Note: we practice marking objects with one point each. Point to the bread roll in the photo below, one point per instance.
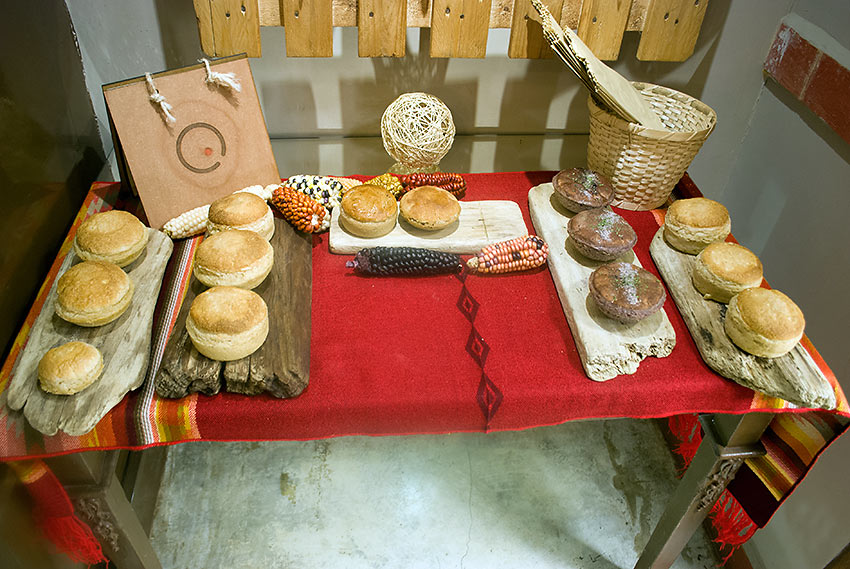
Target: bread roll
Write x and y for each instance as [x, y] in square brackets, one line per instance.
[429, 207]
[601, 234]
[228, 323]
[69, 368]
[764, 322]
[723, 269]
[578, 189]
[242, 210]
[625, 292]
[691, 224]
[368, 211]
[113, 236]
[233, 258]
[93, 293]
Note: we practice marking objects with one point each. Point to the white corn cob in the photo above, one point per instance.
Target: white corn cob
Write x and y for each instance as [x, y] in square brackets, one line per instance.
[258, 190]
[324, 189]
[192, 222]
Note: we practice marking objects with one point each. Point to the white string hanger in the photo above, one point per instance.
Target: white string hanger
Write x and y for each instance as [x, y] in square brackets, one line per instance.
[226, 80]
[158, 98]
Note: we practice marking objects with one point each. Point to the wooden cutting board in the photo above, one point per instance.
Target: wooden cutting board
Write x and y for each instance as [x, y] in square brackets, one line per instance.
[480, 224]
[124, 343]
[607, 348]
[794, 377]
[281, 366]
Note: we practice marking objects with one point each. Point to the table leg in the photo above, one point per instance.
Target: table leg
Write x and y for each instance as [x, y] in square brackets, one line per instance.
[727, 441]
[99, 500]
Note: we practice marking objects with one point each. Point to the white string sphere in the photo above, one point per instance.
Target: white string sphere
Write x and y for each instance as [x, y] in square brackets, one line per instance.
[417, 130]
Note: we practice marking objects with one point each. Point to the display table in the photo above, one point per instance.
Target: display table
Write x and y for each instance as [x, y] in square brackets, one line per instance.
[451, 353]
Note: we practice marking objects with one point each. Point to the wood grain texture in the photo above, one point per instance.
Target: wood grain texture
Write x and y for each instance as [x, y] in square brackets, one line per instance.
[793, 377]
[309, 28]
[236, 27]
[637, 15]
[124, 343]
[602, 25]
[381, 28]
[480, 224]
[527, 41]
[607, 348]
[282, 364]
[571, 14]
[459, 28]
[205, 26]
[670, 29]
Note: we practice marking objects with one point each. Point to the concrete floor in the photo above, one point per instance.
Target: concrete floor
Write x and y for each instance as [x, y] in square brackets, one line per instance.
[573, 496]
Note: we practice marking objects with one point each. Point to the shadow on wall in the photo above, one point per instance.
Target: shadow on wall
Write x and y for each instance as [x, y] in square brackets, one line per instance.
[178, 28]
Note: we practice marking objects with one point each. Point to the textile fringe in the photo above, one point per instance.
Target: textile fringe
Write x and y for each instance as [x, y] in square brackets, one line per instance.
[729, 520]
[54, 514]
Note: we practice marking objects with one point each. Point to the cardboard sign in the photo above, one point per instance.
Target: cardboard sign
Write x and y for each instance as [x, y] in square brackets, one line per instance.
[217, 142]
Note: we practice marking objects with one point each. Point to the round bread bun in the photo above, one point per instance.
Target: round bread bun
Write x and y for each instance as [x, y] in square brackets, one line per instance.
[368, 211]
[600, 234]
[233, 258]
[578, 189]
[691, 224]
[69, 368]
[723, 269]
[764, 322]
[429, 208]
[625, 292]
[113, 236]
[242, 210]
[93, 293]
[227, 323]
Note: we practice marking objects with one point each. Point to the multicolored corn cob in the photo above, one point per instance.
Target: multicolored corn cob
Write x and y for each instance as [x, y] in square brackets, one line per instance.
[303, 212]
[324, 189]
[388, 182]
[517, 254]
[386, 261]
[452, 183]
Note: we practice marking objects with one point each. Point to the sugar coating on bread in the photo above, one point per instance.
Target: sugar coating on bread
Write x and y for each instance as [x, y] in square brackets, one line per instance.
[429, 207]
[93, 293]
[69, 368]
[242, 210]
[115, 236]
[723, 269]
[233, 258]
[227, 323]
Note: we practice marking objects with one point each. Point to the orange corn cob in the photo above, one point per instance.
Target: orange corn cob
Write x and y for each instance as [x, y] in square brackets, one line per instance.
[452, 183]
[517, 254]
[302, 211]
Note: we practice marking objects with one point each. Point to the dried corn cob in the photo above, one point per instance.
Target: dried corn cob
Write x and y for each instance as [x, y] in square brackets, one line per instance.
[258, 190]
[388, 182]
[192, 222]
[348, 183]
[404, 261]
[452, 183]
[303, 212]
[324, 189]
[516, 254]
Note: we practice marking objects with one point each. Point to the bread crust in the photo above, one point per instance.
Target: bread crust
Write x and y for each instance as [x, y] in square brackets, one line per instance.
[724, 269]
[764, 322]
[233, 258]
[691, 224]
[429, 207]
[578, 189]
[114, 236]
[93, 293]
[227, 323]
[242, 210]
[601, 234]
[368, 211]
[625, 292]
[69, 368]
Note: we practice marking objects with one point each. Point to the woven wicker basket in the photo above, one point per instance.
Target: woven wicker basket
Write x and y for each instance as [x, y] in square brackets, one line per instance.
[645, 164]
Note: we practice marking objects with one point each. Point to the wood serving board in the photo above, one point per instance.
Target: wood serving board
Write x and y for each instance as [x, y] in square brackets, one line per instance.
[124, 343]
[607, 347]
[480, 224]
[793, 377]
[281, 366]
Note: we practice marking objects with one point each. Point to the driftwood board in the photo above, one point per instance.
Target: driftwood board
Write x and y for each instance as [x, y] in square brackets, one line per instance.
[281, 366]
[794, 377]
[480, 224]
[607, 348]
[124, 343]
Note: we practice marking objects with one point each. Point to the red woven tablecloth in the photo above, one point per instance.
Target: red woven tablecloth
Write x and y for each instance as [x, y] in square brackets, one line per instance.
[421, 355]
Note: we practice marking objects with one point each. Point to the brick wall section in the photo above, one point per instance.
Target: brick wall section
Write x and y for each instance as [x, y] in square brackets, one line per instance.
[813, 77]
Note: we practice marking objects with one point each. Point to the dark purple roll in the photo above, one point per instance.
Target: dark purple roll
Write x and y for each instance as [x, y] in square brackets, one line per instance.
[600, 234]
[626, 292]
[578, 189]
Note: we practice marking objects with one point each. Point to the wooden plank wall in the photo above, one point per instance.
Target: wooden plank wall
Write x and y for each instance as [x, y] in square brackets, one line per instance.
[669, 28]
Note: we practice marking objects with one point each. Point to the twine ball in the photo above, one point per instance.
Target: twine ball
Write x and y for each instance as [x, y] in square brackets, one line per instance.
[417, 130]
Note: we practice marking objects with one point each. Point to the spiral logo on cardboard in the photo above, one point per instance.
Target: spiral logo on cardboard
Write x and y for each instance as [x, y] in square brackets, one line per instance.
[207, 149]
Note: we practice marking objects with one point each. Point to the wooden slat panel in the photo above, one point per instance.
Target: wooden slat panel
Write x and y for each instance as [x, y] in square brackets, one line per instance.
[205, 26]
[236, 27]
[602, 25]
[570, 14]
[309, 28]
[459, 28]
[270, 12]
[381, 28]
[527, 39]
[671, 29]
[637, 15]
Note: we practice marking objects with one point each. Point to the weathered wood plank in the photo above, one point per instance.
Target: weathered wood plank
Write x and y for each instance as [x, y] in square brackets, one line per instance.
[671, 29]
[459, 28]
[602, 25]
[381, 28]
[607, 348]
[203, 14]
[124, 343]
[527, 41]
[309, 28]
[236, 27]
[794, 377]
